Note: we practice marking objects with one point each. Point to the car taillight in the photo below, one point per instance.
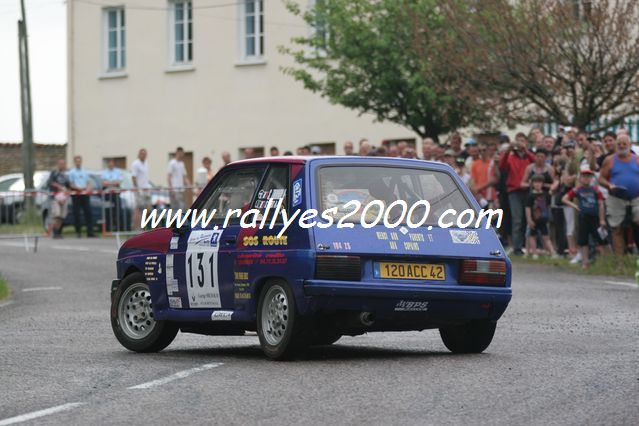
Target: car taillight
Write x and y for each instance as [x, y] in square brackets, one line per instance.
[483, 272]
[338, 268]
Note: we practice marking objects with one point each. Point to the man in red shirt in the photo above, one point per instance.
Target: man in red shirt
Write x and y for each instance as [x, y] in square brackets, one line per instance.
[514, 162]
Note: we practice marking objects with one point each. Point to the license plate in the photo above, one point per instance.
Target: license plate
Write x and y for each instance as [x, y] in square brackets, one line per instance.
[410, 271]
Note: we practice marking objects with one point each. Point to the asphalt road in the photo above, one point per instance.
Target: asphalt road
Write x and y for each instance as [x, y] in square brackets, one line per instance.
[565, 352]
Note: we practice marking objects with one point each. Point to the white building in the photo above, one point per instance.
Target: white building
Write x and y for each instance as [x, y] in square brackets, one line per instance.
[202, 74]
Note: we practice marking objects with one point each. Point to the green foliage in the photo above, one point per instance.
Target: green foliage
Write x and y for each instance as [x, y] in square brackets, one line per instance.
[4, 289]
[385, 57]
[605, 266]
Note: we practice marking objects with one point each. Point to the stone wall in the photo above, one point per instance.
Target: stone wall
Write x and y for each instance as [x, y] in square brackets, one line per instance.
[46, 156]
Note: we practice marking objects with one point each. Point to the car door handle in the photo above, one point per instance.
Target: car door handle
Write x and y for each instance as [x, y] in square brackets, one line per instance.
[230, 241]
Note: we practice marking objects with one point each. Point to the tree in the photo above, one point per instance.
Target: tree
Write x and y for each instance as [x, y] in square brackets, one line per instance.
[371, 57]
[572, 62]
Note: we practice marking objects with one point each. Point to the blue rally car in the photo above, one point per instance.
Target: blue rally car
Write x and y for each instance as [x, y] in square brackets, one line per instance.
[311, 285]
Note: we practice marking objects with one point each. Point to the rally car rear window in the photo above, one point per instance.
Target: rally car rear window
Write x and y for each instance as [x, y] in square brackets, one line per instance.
[340, 184]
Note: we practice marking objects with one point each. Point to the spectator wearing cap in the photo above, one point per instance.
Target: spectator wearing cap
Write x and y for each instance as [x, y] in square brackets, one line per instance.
[514, 162]
[591, 214]
[620, 174]
[316, 150]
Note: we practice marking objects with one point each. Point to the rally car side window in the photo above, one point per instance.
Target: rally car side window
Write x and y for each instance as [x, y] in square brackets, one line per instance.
[234, 191]
[274, 187]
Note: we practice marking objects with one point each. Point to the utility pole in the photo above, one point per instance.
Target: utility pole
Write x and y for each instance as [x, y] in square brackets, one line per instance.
[28, 157]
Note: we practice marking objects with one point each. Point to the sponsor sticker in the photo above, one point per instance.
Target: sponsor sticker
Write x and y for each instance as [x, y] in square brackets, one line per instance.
[175, 302]
[411, 306]
[174, 243]
[464, 237]
[152, 268]
[221, 316]
[297, 192]
[201, 267]
[171, 281]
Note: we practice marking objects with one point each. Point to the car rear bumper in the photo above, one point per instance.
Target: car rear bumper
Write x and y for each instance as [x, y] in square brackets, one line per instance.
[428, 301]
[411, 291]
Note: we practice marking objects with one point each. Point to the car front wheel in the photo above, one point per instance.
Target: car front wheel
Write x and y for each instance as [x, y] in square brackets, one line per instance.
[278, 325]
[132, 318]
[470, 338]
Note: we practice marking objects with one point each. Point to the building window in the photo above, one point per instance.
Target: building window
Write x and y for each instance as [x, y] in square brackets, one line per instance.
[181, 30]
[114, 49]
[319, 27]
[252, 34]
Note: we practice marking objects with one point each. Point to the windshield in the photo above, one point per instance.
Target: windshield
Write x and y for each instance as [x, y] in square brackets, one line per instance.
[341, 184]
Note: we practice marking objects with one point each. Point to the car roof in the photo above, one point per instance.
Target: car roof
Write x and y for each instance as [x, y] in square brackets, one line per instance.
[336, 159]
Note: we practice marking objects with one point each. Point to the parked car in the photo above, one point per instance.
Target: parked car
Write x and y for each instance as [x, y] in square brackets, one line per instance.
[12, 195]
[310, 286]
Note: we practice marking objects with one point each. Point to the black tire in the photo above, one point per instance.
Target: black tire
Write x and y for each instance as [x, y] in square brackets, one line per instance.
[471, 338]
[276, 342]
[162, 332]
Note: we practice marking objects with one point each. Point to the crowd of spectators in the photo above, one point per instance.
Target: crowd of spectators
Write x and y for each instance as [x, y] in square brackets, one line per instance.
[573, 194]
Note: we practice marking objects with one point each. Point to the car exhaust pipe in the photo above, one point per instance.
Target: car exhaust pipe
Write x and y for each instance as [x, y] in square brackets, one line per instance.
[367, 319]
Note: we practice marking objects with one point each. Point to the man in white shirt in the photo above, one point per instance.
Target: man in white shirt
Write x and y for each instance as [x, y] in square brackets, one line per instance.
[177, 180]
[140, 176]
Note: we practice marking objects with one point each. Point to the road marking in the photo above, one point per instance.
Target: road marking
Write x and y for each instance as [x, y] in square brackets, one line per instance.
[71, 248]
[41, 288]
[176, 376]
[625, 284]
[108, 251]
[34, 415]
[7, 303]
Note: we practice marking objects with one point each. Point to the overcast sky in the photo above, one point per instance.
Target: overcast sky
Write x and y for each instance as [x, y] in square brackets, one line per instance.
[46, 20]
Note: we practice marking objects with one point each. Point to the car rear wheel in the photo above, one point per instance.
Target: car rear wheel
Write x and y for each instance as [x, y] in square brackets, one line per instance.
[470, 338]
[132, 318]
[278, 325]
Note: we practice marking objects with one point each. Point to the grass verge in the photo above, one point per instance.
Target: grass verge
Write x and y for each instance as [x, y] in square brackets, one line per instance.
[4, 289]
[607, 266]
